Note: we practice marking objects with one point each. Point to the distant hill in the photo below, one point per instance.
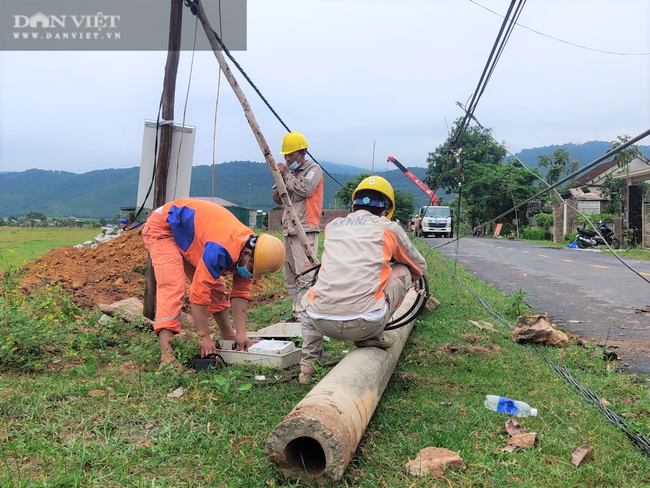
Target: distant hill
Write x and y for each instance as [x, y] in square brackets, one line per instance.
[101, 193]
[585, 153]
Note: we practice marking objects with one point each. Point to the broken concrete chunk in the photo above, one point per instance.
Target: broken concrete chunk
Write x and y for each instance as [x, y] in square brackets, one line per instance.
[537, 329]
[432, 304]
[483, 325]
[435, 460]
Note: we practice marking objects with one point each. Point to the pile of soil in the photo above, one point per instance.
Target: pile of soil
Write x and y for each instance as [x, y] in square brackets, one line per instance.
[114, 271]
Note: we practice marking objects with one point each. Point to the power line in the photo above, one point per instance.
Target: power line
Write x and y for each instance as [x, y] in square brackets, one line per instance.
[640, 440]
[604, 157]
[571, 207]
[192, 6]
[493, 59]
[563, 41]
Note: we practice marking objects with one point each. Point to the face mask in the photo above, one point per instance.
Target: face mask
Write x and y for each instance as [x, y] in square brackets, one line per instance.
[294, 166]
[244, 273]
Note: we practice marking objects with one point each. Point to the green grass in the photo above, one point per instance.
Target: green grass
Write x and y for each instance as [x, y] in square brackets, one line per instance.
[54, 434]
[19, 246]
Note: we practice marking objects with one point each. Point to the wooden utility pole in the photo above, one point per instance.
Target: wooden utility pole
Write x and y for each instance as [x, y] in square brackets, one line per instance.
[166, 131]
[250, 117]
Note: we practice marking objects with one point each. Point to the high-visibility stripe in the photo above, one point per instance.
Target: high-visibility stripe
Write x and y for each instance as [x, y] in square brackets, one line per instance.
[309, 332]
[314, 205]
[165, 319]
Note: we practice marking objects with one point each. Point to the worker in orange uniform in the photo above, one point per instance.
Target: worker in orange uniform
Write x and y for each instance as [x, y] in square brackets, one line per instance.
[367, 268]
[203, 241]
[304, 182]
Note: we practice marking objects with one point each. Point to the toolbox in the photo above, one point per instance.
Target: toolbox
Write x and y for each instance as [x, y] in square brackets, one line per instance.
[267, 352]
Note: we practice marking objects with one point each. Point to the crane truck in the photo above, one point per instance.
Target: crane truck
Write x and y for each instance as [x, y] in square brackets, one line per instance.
[436, 220]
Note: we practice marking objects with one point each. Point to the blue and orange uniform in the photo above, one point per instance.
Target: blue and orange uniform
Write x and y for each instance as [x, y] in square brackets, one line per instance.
[201, 241]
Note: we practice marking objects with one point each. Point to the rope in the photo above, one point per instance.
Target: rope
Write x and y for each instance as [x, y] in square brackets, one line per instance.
[191, 5]
[216, 108]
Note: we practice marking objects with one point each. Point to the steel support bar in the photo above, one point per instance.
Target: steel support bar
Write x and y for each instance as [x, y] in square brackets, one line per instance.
[320, 435]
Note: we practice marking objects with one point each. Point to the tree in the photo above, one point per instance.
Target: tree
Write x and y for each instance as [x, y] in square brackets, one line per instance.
[404, 206]
[344, 193]
[32, 215]
[404, 202]
[558, 166]
[627, 155]
[490, 186]
[2, 222]
[613, 188]
[479, 150]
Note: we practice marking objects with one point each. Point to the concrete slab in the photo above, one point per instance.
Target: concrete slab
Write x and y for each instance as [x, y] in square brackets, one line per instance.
[281, 330]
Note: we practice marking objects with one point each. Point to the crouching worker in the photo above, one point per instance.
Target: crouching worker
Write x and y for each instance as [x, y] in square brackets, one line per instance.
[203, 241]
[367, 267]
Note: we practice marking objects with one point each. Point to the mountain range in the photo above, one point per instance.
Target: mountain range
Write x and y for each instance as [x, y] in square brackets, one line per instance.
[101, 193]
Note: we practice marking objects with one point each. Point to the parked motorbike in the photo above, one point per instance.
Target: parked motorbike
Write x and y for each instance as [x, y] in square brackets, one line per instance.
[477, 231]
[589, 238]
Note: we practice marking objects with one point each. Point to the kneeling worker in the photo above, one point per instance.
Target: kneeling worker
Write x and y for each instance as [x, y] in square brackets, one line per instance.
[358, 289]
[203, 241]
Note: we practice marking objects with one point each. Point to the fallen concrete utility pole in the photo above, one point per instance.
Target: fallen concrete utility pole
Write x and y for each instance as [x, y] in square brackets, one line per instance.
[250, 117]
[319, 437]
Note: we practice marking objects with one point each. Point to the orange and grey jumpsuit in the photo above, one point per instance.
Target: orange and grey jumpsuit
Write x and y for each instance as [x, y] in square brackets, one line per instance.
[201, 241]
[357, 289]
[305, 190]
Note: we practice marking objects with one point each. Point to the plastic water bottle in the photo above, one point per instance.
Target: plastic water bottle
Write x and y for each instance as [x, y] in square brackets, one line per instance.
[506, 405]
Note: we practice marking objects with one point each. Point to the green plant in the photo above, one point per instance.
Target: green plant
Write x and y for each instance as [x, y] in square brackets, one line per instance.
[140, 269]
[517, 303]
[570, 237]
[544, 219]
[87, 370]
[226, 383]
[186, 349]
[31, 330]
[536, 234]
[594, 218]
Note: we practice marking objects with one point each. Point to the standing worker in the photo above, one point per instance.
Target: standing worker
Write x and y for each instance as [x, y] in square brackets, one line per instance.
[204, 241]
[417, 226]
[304, 182]
[358, 288]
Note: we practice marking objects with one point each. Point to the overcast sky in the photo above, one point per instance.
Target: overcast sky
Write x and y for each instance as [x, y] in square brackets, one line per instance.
[347, 74]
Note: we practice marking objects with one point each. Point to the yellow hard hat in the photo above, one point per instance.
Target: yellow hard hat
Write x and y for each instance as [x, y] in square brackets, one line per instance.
[416, 216]
[268, 256]
[377, 183]
[292, 142]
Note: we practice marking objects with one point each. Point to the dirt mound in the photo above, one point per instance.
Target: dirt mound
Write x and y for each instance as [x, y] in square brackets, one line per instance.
[114, 271]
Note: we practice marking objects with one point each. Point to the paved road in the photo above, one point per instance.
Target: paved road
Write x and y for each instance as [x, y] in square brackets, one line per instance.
[586, 292]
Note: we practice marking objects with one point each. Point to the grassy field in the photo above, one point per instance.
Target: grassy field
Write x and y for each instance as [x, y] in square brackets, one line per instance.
[83, 405]
[18, 246]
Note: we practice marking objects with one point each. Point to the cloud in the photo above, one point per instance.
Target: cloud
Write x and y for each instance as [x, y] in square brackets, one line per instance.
[347, 75]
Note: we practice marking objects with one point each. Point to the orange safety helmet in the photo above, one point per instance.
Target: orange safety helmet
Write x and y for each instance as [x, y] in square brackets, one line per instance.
[268, 255]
